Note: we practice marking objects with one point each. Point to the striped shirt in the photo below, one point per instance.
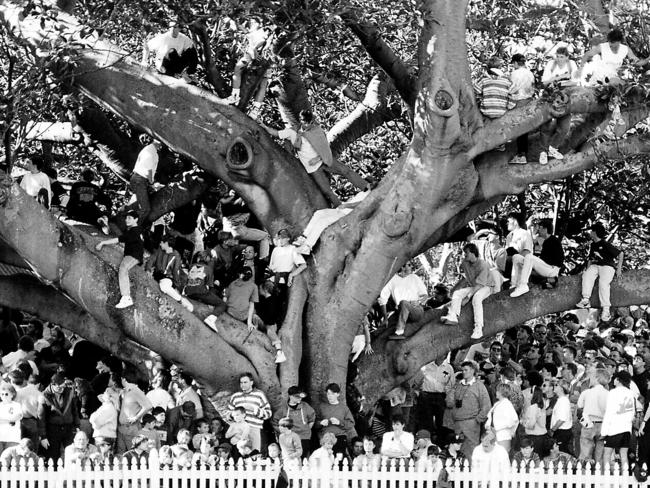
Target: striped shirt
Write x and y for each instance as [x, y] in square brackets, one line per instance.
[256, 405]
[495, 97]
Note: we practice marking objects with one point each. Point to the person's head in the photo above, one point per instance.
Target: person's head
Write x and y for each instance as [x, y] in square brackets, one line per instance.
[333, 392]
[615, 38]
[570, 353]
[306, 117]
[569, 371]
[597, 232]
[226, 239]
[553, 446]
[638, 363]
[202, 426]
[26, 343]
[488, 441]
[433, 452]
[35, 329]
[547, 388]
[148, 421]
[183, 436]
[455, 441]
[327, 440]
[504, 390]
[368, 444]
[184, 380]
[140, 443]
[188, 410]
[295, 395]
[246, 273]
[174, 28]
[216, 425]
[357, 446]
[283, 237]
[286, 425]
[495, 352]
[17, 377]
[80, 440]
[239, 414]
[526, 446]
[7, 392]
[244, 446]
[519, 60]
[405, 270]
[159, 414]
[57, 383]
[274, 450]
[494, 63]
[131, 218]
[533, 353]
[34, 163]
[468, 369]
[622, 378]
[422, 438]
[524, 334]
[540, 331]
[246, 382]
[561, 388]
[224, 451]
[601, 377]
[398, 423]
[248, 253]
[440, 292]
[548, 371]
[514, 221]
[471, 252]
[562, 55]
[167, 243]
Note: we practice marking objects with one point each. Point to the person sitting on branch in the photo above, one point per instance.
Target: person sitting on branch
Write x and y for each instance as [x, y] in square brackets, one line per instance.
[174, 52]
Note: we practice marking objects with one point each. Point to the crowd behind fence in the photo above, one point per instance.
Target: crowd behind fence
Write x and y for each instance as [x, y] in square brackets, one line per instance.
[267, 474]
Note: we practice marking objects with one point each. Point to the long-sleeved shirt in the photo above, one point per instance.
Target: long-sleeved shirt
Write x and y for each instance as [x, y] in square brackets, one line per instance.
[503, 418]
[520, 239]
[474, 401]
[303, 415]
[340, 412]
[256, 405]
[10, 414]
[409, 288]
[165, 265]
[495, 95]
[477, 273]
[290, 445]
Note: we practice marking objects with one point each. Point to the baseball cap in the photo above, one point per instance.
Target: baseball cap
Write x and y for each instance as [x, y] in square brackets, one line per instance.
[422, 434]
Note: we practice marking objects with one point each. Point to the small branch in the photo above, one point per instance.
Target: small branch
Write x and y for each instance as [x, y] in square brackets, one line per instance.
[384, 56]
[336, 85]
[212, 74]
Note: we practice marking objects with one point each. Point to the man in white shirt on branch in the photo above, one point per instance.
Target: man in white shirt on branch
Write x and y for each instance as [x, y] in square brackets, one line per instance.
[409, 294]
[477, 275]
[174, 52]
[143, 175]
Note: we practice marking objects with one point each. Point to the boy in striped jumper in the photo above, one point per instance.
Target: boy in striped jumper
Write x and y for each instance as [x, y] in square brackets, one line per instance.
[494, 90]
[257, 407]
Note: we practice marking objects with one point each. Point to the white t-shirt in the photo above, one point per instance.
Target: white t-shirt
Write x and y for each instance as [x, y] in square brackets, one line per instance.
[147, 162]
[520, 239]
[397, 448]
[409, 288]
[306, 152]
[32, 183]
[552, 69]
[492, 467]
[523, 84]
[10, 413]
[562, 412]
[593, 402]
[160, 398]
[161, 44]
[284, 259]
[619, 413]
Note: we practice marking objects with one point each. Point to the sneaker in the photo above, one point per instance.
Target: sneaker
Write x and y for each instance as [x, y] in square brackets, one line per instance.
[255, 111]
[124, 302]
[304, 249]
[478, 332]
[187, 304]
[398, 335]
[543, 158]
[280, 357]
[518, 160]
[520, 290]
[584, 303]
[211, 321]
[233, 99]
[103, 224]
[554, 153]
[501, 148]
[606, 316]
[449, 320]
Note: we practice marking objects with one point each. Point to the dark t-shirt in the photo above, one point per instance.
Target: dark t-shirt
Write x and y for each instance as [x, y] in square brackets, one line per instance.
[133, 243]
[552, 252]
[603, 253]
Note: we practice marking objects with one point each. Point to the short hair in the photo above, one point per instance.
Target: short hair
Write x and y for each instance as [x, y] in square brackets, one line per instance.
[369, 438]
[333, 387]
[328, 437]
[240, 409]
[508, 373]
[137, 440]
[571, 348]
[494, 62]
[519, 58]
[133, 214]
[615, 35]
[562, 50]
[471, 364]
[247, 375]
[398, 419]
[598, 228]
[471, 247]
[527, 328]
[26, 343]
[534, 378]
[623, 377]
[10, 388]
[182, 432]
[37, 160]
[565, 385]
[551, 368]
[601, 376]
[158, 411]
[286, 422]
[26, 443]
[185, 377]
[88, 175]
[147, 418]
[547, 224]
[223, 236]
[306, 115]
[505, 389]
[517, 217]
[440, 288]
[526, 442]
[572, 367]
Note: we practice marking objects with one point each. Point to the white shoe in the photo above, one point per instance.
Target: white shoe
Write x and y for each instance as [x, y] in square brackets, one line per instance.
[543, 158]
[124, 302]
[520, 290]
[280, 357]
[211, 321]
[606, 316]
[187, 304]
[584, 303]
[449, 319]
[554, 153]
[233, 99]
[477, 333]
[304, 249]
[518, 160]
[103, 224]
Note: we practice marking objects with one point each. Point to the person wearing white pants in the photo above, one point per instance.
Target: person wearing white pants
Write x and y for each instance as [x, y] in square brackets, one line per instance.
[477, 274]
[601, 266]
[522, 242]
[523, 265]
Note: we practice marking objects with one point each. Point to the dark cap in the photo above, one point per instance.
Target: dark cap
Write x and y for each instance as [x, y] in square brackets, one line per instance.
[296, 391]
[422, 434]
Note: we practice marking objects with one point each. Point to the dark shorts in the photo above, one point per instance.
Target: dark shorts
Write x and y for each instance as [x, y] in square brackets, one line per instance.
[617, 441]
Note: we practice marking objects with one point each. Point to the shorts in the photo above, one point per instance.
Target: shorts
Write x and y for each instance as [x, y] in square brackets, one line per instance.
[617, 441]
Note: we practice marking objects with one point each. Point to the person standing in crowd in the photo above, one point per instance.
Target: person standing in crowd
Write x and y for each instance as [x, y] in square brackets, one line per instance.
[179, 418]
[618, 418]
[409, 294]
[188, 393]
[502, 417]
[134, 404]
[490, 462]
[438, 381]
[60, 415]
[257, 407]
[302, 415]
[604, 263]
[591, 406]
[36, 183]
[11, 413]
[477, 276]
[31, 401]
[562, 417]
[470, 404]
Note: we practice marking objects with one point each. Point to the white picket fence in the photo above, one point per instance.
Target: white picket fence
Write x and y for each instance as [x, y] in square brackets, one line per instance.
[265, 475]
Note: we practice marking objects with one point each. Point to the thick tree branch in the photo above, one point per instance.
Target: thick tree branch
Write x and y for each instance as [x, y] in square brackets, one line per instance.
[369, 114]
[383, 55]
[212, 74]
[399, 361]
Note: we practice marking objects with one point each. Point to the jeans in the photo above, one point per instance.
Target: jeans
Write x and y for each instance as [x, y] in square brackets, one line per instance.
[477, 302]
[605, 275]
[127, 263]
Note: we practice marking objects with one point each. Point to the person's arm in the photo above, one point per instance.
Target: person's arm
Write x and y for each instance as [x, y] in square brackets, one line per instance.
[588, 56]
[145, 405]
[145, 53]
[251, 312]
[270, 130]
[107, 242]
[484, 403]
[619, 265]
[366, 333]
[383, 299]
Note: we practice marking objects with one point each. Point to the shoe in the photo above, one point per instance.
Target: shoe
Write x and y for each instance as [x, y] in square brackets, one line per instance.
[299, 241]
[501, 148]
[543, 158]
[550, 283]
[211, 321]
[304, 249]
[233, 99]
[187, 304]
[477, 333]
[518, 160]
[449, 320]
[606, 316]
[124, 302]
[584, 303]
[520, 290]
[103, 224]
[280, 357]
[554, 153]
